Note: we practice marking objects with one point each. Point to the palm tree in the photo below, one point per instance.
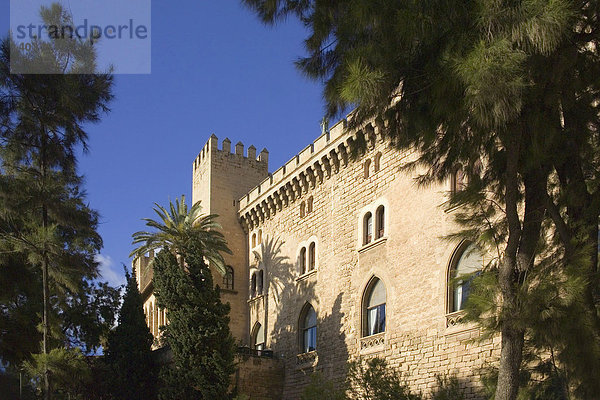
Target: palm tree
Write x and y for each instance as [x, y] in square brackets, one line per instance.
[180, 229]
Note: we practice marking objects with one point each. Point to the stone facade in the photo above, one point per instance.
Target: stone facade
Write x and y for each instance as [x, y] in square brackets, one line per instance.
[320, 200]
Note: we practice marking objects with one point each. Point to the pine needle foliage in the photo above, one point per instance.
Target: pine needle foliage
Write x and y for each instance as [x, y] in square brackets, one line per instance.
[45, 216]
[508, 91]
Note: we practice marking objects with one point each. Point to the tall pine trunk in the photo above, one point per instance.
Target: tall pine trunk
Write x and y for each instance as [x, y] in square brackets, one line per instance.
[519, 256]
[46, 289]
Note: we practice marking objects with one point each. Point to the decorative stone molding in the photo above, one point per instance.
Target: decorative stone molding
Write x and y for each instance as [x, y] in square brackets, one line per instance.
[307, 360]
[299, 175]
[372, 342]
[454, 319]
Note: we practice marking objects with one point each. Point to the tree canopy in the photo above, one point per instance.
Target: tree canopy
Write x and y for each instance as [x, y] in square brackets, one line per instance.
[507, 91]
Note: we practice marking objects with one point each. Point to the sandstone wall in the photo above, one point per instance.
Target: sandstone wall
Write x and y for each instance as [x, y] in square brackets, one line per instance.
[220, 178]
[259, 378]
[411, 259]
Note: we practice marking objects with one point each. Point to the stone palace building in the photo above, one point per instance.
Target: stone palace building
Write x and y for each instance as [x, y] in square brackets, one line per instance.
[335, 259]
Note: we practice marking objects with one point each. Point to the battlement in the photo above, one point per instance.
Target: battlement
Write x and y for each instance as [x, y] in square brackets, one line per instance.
[212, 147]
[299, 162]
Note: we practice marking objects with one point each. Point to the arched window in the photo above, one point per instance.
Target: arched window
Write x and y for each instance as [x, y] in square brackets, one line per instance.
[302, 260]
[259, 282]
[374, 307]
[228, 278]
[368, 228]
[308, 329]
[302, 209]
[253, 240]
[380, 222]
[253, 285]
[466, 264]
[309, 205]
[258, 337]
[259, 236]
[311, 256]
[377, 163]
[367, 167]
[457, 180]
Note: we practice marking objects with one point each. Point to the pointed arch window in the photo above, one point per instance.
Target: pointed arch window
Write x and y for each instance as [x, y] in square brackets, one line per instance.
[311, 256]
[308, 329]
[259, 238]
[259, 282]
[254, 240]
[253, 285]
[380, 222]
[302, 260]
[228, 278]
[258, 337]
[367, 168]
[457, 180]
[466, 264]
[309, 205]
[368, 228]
[374, 308]
[377, 162]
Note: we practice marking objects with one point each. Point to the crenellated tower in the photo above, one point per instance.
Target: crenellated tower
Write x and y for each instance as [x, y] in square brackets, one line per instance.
[220, 178]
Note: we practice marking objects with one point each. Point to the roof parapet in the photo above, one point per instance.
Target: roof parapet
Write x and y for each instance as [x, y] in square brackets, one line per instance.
[212, 146]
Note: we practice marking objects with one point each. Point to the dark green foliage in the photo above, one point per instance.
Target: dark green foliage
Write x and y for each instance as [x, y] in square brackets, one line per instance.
[370, 379]
[374, 380]
[320, 388]
[508, 90]
[198, 329]
[179, 226]
[448, 388]
[132, 372]
[47, 229]
[548, 385]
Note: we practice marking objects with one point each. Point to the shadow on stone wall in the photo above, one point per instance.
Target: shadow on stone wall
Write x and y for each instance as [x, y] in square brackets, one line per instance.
[289, 294]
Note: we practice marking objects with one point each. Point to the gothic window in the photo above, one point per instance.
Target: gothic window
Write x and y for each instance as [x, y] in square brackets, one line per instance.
[380, 222]
[457, 180]
[368, 228]
[374, 308]
[253, 285]
[258, 337]
[377, 162]
[311, 256]
[253, 240]
[308, 329]
[309, 205]
[259, 236]
[466, 263]
[302, 209]
[302, 260]
[367, 167]
[259, 282]
[228, 278]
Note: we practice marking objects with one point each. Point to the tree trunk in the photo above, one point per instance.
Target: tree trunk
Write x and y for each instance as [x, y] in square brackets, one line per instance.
[46, 290]
[510, 363]
[45, 326]
[512, 342]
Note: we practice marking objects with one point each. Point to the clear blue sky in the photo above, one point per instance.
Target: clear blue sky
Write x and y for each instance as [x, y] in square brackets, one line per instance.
[215, 69]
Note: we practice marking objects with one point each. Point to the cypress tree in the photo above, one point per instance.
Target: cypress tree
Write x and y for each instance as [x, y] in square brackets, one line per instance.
[131, 367]
[197, 331]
